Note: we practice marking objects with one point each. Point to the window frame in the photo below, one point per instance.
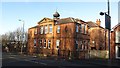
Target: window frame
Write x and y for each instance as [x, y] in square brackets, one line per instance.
[35, 31]
[46, 29]
[58, 29]
[41, 29]
[117, 36]
[57, 44]
[80, 28]
[77, 30]
[76, 45]
[40, 42]
[49, 44]
[35, 42]
[85, 29]
[45, 43]
[50, 28]
[81, 45]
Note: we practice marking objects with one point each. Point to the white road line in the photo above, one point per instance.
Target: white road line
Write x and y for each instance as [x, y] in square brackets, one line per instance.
[11, 57]
[43, 63]
[36, 62]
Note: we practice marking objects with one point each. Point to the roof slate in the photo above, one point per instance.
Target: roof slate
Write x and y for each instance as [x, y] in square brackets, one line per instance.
[116, 26]
[66, 20]
[92, 24]
[33, 27]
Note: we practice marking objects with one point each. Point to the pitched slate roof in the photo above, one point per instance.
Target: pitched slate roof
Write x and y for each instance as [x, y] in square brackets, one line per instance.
[66, 20]
[91, 24]
[70, 20]
[116, 26]
[63, 20]
[33, 27]
[79, 20]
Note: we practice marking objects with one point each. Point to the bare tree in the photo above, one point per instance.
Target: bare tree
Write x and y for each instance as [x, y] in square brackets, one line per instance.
[13, 39]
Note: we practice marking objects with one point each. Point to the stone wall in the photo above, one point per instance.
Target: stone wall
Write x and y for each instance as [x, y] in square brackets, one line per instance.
[98, 54]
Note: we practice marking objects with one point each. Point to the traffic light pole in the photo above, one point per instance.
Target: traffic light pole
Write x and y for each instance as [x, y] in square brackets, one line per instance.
[109, 29]
[22, 37]
[107, 26]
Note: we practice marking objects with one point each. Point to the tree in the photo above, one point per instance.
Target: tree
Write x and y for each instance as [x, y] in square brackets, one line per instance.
[13, 39]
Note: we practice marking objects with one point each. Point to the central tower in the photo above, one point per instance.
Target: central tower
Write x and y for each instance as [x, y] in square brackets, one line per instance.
[56, 16]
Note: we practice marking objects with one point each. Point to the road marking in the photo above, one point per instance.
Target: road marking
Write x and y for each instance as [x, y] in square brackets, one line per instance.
[43, 63]
[36, 62]
[11, 57]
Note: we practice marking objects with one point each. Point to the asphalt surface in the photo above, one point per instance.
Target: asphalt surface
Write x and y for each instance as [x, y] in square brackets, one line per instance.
[10, 59]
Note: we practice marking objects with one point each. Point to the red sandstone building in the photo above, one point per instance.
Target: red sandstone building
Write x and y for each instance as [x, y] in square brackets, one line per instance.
[115, 42]
[66, 37]
[97, 36]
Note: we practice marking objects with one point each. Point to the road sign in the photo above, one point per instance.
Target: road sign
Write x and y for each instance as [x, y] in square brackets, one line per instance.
[107, 21]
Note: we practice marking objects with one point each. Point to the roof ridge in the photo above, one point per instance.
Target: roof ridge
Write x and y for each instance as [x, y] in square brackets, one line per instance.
[43, 19]
[116, 26]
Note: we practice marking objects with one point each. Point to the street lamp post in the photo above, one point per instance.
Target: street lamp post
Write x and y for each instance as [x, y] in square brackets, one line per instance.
[22, 35]
[107, 26]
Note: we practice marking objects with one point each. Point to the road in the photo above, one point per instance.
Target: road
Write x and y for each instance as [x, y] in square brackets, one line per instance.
[9, 59]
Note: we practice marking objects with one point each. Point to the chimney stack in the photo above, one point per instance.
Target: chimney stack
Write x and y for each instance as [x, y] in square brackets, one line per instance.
[98, 22]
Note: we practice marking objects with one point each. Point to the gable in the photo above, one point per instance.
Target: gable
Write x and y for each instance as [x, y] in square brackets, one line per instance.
[45, 20]
[116, 26]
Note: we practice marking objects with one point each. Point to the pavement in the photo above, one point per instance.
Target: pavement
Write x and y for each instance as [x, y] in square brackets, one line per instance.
[11, 59]
[89, 62]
